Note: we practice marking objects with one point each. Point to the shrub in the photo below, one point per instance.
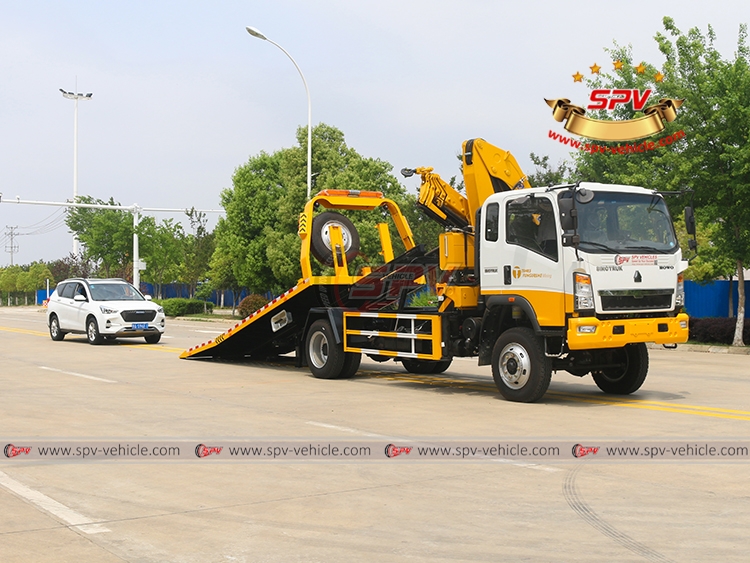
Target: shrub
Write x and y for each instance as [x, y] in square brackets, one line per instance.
[250, 304]
[179, 306]
[423, 298]
[717, 330]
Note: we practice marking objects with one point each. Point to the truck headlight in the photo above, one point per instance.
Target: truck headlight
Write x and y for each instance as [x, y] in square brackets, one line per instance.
[679, 299]
[583, 293]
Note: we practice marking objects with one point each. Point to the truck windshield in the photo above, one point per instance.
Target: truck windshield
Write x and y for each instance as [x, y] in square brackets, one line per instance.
[625, 223]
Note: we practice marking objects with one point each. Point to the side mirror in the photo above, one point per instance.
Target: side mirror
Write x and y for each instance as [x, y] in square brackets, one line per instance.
[79, 298]
[690, 221]
[570, 239]
[147, 297]
[568, 214]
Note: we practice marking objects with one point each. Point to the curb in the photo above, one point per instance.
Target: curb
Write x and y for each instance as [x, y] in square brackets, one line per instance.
[706, 348]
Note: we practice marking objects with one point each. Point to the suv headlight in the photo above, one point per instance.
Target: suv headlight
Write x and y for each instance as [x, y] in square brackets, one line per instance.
[679, 299]
[583, 293]
[107, 310]
[160, 310]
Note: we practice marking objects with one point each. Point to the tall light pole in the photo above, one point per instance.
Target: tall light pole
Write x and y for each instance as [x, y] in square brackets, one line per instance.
[76, 97]
[255, 33]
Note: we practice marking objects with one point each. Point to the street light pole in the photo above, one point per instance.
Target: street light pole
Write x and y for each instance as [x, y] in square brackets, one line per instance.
[255, 33]
[75, 97]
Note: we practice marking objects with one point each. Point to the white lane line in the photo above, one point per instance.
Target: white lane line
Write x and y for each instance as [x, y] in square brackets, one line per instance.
[51, 506]
[347, 429]
[78, 374]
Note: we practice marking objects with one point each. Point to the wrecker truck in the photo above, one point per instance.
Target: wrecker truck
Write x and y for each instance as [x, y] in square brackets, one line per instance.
[529, 280]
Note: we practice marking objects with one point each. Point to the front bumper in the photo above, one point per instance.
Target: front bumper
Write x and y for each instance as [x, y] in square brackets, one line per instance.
[585, 333]
[113, 325]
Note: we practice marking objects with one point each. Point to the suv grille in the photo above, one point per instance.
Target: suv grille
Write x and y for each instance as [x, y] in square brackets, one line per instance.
[636, 299]
[138, 316]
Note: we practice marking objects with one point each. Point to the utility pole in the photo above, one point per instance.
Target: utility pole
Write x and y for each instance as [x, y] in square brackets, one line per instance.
[12, 248]
[75, 96]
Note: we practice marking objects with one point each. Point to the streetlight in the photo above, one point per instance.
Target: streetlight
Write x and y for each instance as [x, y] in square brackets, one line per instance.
[255, 33]
[76, 97]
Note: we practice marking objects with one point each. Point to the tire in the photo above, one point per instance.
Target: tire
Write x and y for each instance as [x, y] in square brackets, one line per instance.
[54, 329]
[351, 365]
[92, 331]
[422, 367]
[321, 243]
[325, 358]
[628, 379]
[153, 338]
[520, 368]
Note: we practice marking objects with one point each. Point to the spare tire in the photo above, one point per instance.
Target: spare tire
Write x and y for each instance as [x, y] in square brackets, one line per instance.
[321, 241]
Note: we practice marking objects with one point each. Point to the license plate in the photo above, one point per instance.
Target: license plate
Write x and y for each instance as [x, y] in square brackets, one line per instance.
[139, 326]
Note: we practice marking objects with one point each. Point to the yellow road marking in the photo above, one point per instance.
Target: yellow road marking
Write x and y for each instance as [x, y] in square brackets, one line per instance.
[152, 347]
[634, 403]
[23, 331]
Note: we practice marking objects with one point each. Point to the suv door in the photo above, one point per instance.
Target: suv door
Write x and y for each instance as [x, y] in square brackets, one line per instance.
[80, 309]
[63, 304]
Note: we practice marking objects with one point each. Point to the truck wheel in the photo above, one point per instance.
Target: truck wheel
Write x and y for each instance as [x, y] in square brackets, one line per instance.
[425, 366]
[519, 367]
[54, 329]
[92, 331]
[628, 379]
[320, 241]
[351, 365]
[325, 358]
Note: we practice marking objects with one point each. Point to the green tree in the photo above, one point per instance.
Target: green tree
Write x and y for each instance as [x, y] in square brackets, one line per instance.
[161, 246]
[198, 247]
[107, 235]
[222, 274]
[9, 281]
[546, 175]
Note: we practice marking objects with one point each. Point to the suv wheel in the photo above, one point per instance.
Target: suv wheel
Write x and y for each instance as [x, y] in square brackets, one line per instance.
[54, 329]
[153, 338]
[92, 331]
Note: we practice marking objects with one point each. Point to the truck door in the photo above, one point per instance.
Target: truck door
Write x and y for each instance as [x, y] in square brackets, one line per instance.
[521, 254]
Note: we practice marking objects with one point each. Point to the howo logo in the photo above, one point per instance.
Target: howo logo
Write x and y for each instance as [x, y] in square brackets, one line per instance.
[610, 98]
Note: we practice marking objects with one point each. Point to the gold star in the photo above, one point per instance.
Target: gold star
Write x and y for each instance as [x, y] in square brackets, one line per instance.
[577, 77]
[618, 65]
[640, 69]
[595, 69]
[659, 77]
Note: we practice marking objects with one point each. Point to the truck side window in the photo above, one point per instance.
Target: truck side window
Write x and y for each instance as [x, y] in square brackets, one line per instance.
[530, 223]
[491, 223]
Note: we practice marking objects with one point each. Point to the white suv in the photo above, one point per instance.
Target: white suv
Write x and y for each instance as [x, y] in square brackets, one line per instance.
[103, 309]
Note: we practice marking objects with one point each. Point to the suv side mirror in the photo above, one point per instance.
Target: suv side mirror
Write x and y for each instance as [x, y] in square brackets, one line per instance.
[690, 221]
[147, 297]
[79, 298]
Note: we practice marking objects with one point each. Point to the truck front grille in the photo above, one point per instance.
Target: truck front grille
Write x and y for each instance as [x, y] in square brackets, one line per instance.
[636, 299]
[138, 316]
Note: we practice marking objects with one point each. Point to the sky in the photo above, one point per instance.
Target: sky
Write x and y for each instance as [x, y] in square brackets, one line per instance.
[183, 95]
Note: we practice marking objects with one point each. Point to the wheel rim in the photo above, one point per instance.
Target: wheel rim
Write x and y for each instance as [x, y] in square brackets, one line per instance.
[319, 350]
[54, 328]
[515, 366]
[92, 331]
[326, 236]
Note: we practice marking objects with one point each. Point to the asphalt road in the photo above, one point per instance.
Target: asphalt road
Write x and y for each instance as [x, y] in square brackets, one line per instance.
[204, 510]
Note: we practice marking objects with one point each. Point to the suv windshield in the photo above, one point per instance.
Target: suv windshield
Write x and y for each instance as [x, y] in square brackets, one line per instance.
[114, 292]
[625, 223]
